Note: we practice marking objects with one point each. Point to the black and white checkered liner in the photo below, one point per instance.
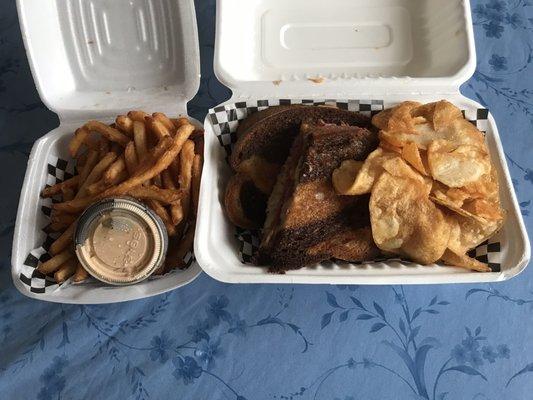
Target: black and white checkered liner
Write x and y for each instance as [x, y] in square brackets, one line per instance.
[58, 171]
[225, 120]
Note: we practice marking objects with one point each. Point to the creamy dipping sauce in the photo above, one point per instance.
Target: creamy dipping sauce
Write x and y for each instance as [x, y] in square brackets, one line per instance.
[118, 245]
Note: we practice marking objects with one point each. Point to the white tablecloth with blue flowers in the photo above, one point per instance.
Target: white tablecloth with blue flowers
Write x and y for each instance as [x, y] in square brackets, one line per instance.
[212, 341]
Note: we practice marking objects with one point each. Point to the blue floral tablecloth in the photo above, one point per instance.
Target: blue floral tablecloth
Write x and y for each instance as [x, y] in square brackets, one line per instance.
[211, 340]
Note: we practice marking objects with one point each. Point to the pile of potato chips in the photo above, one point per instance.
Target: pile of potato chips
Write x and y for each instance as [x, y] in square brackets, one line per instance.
[434, 191]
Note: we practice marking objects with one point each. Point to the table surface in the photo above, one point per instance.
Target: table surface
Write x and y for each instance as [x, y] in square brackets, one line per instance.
[211, 340]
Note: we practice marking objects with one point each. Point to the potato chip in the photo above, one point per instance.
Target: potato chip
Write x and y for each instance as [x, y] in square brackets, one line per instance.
[396, 166]
[473, 232]
[484, 209]
[350, 179]
[345, 176]
[445, 202]
[383, 119]
[464, 261]
[404, 221]
[436, 192]
[389, 147]
[411, 154]
[456, 166]
[444, 113]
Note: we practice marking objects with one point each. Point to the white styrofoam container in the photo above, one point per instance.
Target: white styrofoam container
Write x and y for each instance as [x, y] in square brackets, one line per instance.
[94, 60]
[390, 50]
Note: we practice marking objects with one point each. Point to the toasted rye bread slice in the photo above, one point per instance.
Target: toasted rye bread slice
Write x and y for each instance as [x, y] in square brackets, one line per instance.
[305, 217]
[263, 146]
[270, 133]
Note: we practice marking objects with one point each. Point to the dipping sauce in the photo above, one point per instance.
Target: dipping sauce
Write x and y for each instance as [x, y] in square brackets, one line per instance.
[120, 241]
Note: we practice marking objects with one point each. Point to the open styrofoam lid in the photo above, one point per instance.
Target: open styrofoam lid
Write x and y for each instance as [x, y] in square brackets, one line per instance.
[425, 42]
[100, 57]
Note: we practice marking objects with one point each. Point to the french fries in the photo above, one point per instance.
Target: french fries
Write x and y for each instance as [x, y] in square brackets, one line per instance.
[164, 120]
[63, 241]
[58, 187]
[80, 136]
[66, 270]
[176, 211]
[138, 115]
[125, 124]
[195, 186]
[152, 158]
[115, 170]
[157, 127]
[185, 177]
[96, 173]
[92, 160]
[80, 275]
[111, 134]
[53, 264]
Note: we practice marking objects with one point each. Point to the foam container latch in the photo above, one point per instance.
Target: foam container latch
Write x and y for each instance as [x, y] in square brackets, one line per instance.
[99, 58]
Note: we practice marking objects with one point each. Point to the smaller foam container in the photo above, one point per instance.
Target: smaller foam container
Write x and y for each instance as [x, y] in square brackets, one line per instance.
[97, 59]
[358, 55]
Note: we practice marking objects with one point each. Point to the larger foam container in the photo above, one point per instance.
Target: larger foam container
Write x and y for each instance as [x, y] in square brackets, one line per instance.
[96, 59]
[348, 52]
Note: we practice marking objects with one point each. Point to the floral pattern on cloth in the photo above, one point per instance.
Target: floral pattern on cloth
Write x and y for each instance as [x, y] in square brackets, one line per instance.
[215, 341]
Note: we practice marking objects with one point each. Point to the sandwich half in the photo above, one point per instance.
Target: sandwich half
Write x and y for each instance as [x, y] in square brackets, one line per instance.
[263, 143]
[307, 222]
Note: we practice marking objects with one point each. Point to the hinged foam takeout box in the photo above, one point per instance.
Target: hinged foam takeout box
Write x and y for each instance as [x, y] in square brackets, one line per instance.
[358, 55]
[100, 58]
[95, 60]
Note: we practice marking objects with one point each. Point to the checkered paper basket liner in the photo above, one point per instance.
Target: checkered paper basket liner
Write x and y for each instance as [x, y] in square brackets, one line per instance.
[58, 171]
[225, 120]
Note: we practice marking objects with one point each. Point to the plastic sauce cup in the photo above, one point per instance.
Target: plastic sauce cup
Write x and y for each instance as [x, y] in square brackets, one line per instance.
[120, 241]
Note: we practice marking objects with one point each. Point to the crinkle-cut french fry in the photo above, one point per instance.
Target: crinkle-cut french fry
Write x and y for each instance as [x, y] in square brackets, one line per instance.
[79, 138]
[137, 115]
[114, 170]
[55, 262]
[164, 120]
[195, 184]
[139, 137]
[163, 214]
[58, 187]
[63, 241]
[96, 173]
[185, 177]
[158, 129]
[130, 157]
[145, 172]
[65, 271]
[111, 134]
[176, 253]
[125, 124]
[80, 275]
